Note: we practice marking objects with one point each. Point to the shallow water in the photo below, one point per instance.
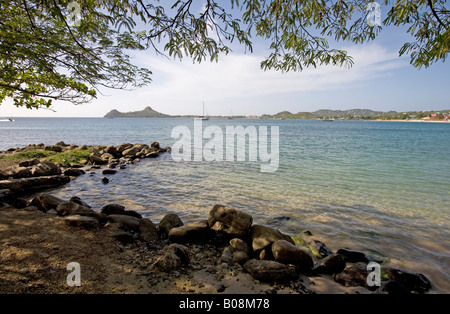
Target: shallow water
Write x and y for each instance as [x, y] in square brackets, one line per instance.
[382, 186]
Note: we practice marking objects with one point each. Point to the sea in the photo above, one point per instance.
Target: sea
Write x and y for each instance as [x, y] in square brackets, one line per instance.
[380, 187]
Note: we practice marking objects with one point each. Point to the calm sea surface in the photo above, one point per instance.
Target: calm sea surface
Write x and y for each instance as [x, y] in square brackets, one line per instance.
[380, 187]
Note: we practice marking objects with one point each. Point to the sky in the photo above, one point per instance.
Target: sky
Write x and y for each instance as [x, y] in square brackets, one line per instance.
[236, 85]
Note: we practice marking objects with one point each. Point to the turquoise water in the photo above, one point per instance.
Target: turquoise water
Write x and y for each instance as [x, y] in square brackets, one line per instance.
[382, 186]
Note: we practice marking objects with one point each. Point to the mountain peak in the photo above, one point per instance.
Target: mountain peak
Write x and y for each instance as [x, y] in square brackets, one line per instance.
[147, 112]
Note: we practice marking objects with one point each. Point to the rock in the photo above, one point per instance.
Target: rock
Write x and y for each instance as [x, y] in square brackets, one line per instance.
[288, 253]
[29, 163]
[53, 148]
[353, 276]
[109, 171]
[68, 208]
[131, 152]
[393, 287]
[230, 221]
[152, 155]
[112, 150]
[105, 180]
[147, 230]
[132, 213]
[113, 209]
[270, 271]
[195, 233]
[46, 202]
[332, 264]
[240, 257]
[34, 184]
[262, 236]
[74, 172]
[122, 236]
[414, 282]
[155, 145]
[61, 143]
[4, 193]
[107, 157]
[17, 172]
[240, 245]
[123, 147]
[125, 222]
[82, 221]
[227, 255]
[76, 199]
[168, 222]
[94, 158]
[174, 256]
[45, 169]
[351, 256]
[319, 249]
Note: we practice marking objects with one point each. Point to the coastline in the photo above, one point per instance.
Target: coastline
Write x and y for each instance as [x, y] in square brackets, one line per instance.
[119, 259]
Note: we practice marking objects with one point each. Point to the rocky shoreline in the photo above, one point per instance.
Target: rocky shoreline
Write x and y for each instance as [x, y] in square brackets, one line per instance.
[224, 253]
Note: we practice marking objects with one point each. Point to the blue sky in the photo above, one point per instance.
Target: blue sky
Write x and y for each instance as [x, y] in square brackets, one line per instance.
[379, 80]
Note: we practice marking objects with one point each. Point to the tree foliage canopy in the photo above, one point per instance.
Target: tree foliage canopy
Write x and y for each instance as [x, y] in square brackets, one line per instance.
[46, 54]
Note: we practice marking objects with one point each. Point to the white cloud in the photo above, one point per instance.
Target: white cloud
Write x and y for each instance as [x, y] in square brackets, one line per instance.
[236, 83]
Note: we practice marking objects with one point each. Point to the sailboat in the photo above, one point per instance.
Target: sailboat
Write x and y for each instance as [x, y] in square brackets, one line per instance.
[203, 117]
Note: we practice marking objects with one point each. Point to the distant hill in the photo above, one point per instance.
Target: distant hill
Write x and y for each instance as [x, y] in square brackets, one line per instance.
[148, 112]
[361, 114]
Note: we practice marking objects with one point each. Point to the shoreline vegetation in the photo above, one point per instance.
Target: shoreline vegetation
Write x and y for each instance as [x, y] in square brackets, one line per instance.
[352, 114]
[119, 251]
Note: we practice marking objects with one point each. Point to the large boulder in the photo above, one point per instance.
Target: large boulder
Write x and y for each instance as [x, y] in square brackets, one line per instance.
[174, 256]
[332, 264]
[230, 221]
[196, 232]
[46, 202]
[45, 169]
[168, 222]
[270, 271]
[263, 236]
[393, 287]
[288, 253]
[147, 230]
[413, 282]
